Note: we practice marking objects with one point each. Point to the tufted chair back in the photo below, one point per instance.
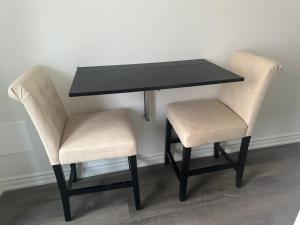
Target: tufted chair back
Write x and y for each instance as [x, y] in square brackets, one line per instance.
[245, 98]
[38, 94]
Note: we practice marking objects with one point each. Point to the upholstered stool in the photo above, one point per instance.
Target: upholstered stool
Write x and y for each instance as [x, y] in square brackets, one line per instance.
[80, 138]
[231, 116]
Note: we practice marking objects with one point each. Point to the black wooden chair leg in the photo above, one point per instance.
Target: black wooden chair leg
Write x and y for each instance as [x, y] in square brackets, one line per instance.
[73, 168]
[241, 161]
[63, 189]
[168, 140]
[216, 151]
[186, 156]
[135, 181]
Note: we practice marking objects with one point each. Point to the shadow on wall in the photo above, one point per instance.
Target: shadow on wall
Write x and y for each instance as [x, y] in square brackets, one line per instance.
[8, 112]
[281, 100]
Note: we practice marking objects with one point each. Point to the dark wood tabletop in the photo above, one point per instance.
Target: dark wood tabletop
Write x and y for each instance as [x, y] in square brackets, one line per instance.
[98, 80]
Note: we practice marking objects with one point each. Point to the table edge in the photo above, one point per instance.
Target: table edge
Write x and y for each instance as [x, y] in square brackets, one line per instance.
[156, 87]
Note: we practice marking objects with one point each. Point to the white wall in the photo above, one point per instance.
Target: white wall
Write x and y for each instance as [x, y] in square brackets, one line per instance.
[65, 34]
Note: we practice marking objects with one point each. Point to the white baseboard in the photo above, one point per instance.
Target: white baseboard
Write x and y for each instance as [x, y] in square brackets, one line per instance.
[28, 180]
[91, 169]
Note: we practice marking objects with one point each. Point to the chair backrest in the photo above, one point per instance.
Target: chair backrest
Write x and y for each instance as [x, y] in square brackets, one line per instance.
[245, 98]
[38, 94]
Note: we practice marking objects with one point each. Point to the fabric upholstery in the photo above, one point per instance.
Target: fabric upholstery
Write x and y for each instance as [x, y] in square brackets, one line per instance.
[204, 121]
[37, 92]
[245, 98]
[231, 116]
[79, 138]
[93, 136]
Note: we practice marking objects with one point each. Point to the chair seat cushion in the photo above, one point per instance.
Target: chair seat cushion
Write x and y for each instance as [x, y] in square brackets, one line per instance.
[94, 136]
[204, 121]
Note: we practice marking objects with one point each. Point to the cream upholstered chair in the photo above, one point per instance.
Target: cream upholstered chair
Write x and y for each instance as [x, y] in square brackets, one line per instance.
[80, 138]
[230, 116]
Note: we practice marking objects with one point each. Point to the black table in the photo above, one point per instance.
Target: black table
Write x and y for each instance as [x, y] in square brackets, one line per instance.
[99, 80]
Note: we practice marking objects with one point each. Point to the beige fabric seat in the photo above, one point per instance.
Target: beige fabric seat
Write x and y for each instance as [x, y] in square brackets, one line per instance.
[201, 122]
[233, 114]
[80, 138]
[101, 135]
[230, 116]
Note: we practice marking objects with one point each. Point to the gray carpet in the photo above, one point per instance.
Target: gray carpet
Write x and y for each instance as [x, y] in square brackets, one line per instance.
[270, 195]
